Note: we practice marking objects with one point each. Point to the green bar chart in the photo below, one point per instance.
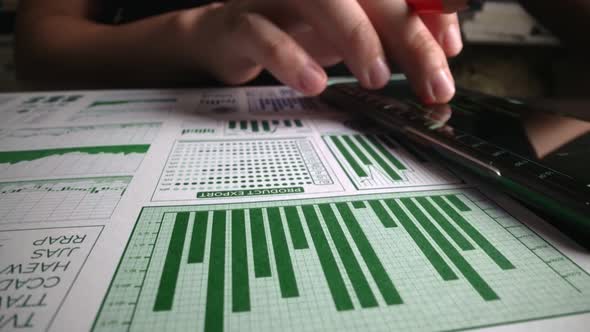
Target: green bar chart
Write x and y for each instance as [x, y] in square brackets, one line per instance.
[416, 261]
[284, 126]
[378, 162]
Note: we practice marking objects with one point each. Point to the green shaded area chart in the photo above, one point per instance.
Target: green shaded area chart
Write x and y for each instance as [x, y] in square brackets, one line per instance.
[60, 200]
[14, 157]
[283, 126]
[379, 162]
[128, 108]
[72, 161]
[237, 168]
[433, 260]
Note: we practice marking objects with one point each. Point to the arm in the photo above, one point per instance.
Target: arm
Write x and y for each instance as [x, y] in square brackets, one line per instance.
[60, 39]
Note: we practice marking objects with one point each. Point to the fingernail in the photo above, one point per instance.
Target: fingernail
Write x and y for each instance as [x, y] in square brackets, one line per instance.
[451, 40]
[379, 73]
[311, 79]
[441, 86]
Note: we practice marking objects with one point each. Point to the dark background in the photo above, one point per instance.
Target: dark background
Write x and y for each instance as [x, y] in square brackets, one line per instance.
[522, 63]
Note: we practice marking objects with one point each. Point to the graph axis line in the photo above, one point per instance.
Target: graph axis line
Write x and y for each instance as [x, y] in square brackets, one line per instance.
[535, 233]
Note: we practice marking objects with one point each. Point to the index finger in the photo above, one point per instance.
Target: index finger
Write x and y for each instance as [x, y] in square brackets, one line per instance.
[346, 26]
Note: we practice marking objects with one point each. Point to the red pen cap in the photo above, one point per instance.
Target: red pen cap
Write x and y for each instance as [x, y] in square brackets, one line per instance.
[426, 6]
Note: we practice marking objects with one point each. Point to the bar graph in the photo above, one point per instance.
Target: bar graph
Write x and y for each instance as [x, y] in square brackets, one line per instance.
[238, 168]
[77, 161]
[417, 261]
[279, 100]
[60, 200]
[380, 162]
[266, 127]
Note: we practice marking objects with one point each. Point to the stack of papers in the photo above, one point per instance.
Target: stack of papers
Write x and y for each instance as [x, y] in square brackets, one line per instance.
[257, 209]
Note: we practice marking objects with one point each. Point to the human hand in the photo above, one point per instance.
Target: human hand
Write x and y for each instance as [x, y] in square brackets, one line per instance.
[294, 38]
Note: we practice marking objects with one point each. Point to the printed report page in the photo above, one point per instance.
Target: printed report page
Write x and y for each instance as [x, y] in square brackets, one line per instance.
[258, 209]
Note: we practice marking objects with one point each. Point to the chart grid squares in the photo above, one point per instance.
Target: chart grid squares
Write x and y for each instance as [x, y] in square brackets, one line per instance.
[350, 249]
[198, 167]
[60, 200]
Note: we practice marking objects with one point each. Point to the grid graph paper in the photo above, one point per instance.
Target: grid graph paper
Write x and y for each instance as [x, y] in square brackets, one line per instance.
[436, 260]
[196, 167]
[60, 200]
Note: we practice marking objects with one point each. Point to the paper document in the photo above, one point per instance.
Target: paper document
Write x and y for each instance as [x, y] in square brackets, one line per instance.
[257, 209]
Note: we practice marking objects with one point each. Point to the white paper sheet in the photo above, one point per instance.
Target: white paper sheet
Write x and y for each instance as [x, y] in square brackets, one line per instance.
[257, 209]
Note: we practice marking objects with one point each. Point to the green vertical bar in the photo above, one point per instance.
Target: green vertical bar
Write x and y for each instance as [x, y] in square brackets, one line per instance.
[243, 125]
[298, 123]
[398, 164]
[196, 251]
[382, 214]
[358, 205]
[232, 124]
[476, 281]
[351, 161]
[287, 123]
[254, 125]
[216, 275]
[384, 165]
[384, 283]
[439, 264]
[239, 268]
[165, 294]
[355, 148]
[353, 269]
[457, 237]
[295, 228]
[331, 272]
[283, 262]
[265, 125]
[479, 239]
[458, 203]
[259, 245]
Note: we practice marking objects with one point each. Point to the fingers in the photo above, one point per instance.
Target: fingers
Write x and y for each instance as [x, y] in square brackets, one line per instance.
[445, 29]
[317, 48]
[350, 32]
[408, 41]
[267, 45]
